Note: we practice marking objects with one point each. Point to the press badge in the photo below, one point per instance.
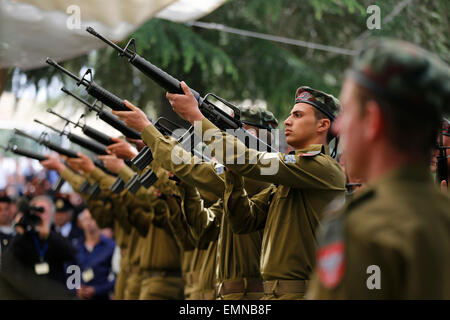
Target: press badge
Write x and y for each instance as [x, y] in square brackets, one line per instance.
[41, 268]
[87, 275]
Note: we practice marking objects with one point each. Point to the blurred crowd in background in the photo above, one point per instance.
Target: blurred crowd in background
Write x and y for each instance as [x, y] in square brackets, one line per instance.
[76, 237]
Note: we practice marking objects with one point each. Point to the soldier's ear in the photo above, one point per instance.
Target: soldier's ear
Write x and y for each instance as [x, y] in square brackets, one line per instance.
[374, 120]
[324, 124]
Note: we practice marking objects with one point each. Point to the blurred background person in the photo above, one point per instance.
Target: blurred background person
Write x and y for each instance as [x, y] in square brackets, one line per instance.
[94, 258]
[42, 246]
[33, 266]
[6, 223]
[64, 223]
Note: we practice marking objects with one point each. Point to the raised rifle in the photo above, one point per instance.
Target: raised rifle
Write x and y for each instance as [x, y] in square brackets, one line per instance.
[212, 112]
[22, 152]
[128, 132]
[66, 152]
[148, 178]
[92, 88]
[33, 155]
[90, 145]
[107, 116]
[52, 146]
[89, 131]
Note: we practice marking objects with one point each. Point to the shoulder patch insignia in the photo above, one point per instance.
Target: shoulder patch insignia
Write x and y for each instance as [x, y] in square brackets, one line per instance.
[331, 253]
[309, 153]
[220, 169]
[289, 158]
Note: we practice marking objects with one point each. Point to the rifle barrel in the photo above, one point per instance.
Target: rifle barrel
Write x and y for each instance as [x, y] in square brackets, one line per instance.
[49, 126]
[62, 117]
[64, 70]
[112, 44]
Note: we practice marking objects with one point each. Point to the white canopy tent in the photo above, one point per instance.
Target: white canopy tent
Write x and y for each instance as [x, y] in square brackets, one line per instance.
[31, 30]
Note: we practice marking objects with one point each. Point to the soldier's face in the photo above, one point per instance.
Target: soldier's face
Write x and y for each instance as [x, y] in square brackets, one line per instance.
[4, 214]
[62, 217]
[87, 223]
[351, 127]
[46, 216]
[301, 126]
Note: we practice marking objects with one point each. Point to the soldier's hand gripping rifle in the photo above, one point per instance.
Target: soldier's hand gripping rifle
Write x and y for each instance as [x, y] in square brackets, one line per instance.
[107, 116]
[93, 146]
[94, 190]
[100, 137]
[33, 155]
[89, 131]
[145, 155]
[167, 128]
[212, 112]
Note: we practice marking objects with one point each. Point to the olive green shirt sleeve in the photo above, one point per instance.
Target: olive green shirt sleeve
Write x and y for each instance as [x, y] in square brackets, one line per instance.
[75, 180]
[120, 203]
[126, 173]
[104, 180]
[102, 212]
[177, 224]
[141, 219]
[245, 214]
[310, 168]
[169, 154]
[199, 219]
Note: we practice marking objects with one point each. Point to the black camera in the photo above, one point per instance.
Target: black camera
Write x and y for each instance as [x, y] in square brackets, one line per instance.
[30, 218]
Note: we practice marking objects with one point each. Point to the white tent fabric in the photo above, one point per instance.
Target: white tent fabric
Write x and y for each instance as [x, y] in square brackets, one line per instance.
[31, 30]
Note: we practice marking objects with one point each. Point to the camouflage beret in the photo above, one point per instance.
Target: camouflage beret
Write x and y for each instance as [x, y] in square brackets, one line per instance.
[402, 73]
[259, 117]
[324, 102]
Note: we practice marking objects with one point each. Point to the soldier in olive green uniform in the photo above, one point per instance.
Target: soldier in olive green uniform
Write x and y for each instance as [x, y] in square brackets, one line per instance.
[178, 226]
[193, 252]
[307, 181]
[160, 255]
[392, 241]
[237, 263]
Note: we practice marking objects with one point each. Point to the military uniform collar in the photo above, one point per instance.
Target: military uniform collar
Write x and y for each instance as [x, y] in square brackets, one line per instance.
[313, 149]
[409, 173]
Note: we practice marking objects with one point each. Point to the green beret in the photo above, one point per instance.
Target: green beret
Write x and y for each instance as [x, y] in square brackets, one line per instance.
[403, 74]
[258, 117]
[324, 102]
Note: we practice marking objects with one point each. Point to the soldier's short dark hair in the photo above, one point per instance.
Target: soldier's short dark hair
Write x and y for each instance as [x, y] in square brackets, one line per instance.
[319, 116]
[414, 132]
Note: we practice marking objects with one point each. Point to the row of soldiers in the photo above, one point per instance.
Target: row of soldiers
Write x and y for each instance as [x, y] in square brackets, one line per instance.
[230, 229]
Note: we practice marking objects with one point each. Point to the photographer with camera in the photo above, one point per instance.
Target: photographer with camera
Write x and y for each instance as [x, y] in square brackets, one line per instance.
[33, 265]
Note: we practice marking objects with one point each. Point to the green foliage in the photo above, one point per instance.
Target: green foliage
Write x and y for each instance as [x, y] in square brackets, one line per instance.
[236, 67]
